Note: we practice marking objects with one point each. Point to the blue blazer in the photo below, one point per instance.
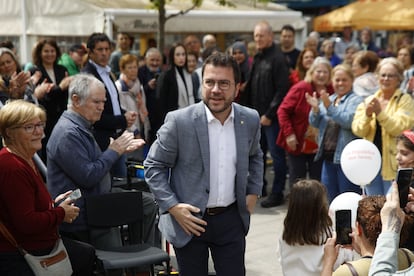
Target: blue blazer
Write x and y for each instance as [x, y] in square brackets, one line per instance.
[177, 168]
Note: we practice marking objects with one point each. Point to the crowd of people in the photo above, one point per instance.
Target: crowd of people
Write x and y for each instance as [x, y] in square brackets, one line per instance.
[206, 122]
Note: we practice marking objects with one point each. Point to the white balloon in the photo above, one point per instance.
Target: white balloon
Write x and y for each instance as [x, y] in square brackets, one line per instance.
[345, 201]
[360, 161]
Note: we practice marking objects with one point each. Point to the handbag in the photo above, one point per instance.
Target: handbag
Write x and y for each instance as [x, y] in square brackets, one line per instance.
[310, 146]
[56, 263]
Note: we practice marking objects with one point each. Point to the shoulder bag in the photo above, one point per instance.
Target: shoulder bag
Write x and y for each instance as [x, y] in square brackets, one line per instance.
[56, 263]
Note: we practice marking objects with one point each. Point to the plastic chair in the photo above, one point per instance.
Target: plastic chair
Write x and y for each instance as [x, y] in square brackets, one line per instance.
[123, 210]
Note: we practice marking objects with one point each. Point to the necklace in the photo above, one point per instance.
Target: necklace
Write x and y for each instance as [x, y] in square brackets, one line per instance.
[28, 160]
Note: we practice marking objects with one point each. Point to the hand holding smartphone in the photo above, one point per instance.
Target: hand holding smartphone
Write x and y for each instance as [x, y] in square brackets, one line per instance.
[76, 194]
[73, 196]
[343, 227]
[404, 177]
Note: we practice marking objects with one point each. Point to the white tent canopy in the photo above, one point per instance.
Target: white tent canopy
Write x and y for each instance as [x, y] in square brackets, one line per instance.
[49, 17]
[30, 19]
[204, 21]
[136, 16]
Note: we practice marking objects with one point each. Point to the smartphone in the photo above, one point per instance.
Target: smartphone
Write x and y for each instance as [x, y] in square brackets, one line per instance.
[404, 177]
[73, 196]
[343, 226]
[76, 194]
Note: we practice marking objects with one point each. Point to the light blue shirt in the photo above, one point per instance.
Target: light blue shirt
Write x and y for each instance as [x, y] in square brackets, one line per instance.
[104, 72]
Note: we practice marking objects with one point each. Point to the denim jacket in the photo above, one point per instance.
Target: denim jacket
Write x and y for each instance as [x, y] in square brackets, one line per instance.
[343, 114]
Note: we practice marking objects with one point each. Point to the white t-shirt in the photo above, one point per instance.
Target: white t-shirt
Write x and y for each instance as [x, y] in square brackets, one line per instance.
[307, 259]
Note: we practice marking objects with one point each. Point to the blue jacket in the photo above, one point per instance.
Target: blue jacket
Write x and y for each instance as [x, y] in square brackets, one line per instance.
[76, 161]
[343, 114]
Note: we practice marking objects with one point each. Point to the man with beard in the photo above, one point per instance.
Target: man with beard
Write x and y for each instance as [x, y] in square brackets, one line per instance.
[205, 171]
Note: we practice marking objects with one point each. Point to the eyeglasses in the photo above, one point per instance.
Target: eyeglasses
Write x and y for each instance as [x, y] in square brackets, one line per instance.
[388, 76]
[32, 127]
[222, 84]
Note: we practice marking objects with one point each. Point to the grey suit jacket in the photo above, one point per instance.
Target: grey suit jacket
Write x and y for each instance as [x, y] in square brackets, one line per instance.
[177, 168]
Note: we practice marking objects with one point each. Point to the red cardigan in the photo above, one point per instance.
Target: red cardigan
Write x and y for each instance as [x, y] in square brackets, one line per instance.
[293, 114]
[26, 207]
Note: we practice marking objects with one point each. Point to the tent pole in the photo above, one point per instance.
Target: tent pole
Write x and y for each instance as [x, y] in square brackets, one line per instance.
[23, 36]
[109, 26]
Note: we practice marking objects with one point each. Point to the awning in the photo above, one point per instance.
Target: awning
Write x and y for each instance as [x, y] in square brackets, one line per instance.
[202, 21]
[376, 14]
[49, 17]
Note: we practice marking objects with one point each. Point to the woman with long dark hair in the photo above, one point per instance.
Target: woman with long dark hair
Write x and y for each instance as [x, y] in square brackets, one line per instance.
[307, 227]
[175, 86]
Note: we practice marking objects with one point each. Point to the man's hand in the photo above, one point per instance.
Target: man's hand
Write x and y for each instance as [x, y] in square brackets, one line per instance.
[392, 217]
[251, 202]
[152, 83]
[126, 143]
[264, 121]
[135, 144]
[191, 224]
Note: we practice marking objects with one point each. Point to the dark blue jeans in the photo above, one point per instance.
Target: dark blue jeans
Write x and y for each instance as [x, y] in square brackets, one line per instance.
[268, 142]
[378, 186]
[335, 180]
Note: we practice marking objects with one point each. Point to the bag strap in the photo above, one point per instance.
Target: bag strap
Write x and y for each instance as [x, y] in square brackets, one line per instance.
[9, 237]
[352, 269]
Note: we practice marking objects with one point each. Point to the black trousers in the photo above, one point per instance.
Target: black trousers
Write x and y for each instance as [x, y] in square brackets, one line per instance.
[225, 237]
[301, 165]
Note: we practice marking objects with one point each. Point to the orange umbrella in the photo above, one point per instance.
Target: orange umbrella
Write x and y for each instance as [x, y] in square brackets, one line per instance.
[335, 20]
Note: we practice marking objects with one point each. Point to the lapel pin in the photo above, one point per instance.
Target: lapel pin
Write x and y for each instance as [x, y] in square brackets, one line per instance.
[241, 122]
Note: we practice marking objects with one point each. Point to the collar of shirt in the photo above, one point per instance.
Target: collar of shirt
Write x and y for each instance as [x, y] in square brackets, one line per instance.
[80, 120]
[101, 69]
[105, 73]
[210, 116]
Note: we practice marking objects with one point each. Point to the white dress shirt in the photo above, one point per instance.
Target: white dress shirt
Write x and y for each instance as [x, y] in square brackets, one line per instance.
[223, 158]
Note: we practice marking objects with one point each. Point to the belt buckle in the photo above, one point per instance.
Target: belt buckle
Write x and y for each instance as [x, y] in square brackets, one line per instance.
[215, 210]
[209, 212]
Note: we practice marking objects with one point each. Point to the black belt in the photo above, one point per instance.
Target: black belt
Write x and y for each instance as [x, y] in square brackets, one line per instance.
[218, 210]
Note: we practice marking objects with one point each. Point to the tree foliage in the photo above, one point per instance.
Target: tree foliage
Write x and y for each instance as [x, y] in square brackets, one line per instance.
[163, 18]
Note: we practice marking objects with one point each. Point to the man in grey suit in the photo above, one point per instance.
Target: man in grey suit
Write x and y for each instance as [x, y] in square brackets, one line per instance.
[205, 171]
